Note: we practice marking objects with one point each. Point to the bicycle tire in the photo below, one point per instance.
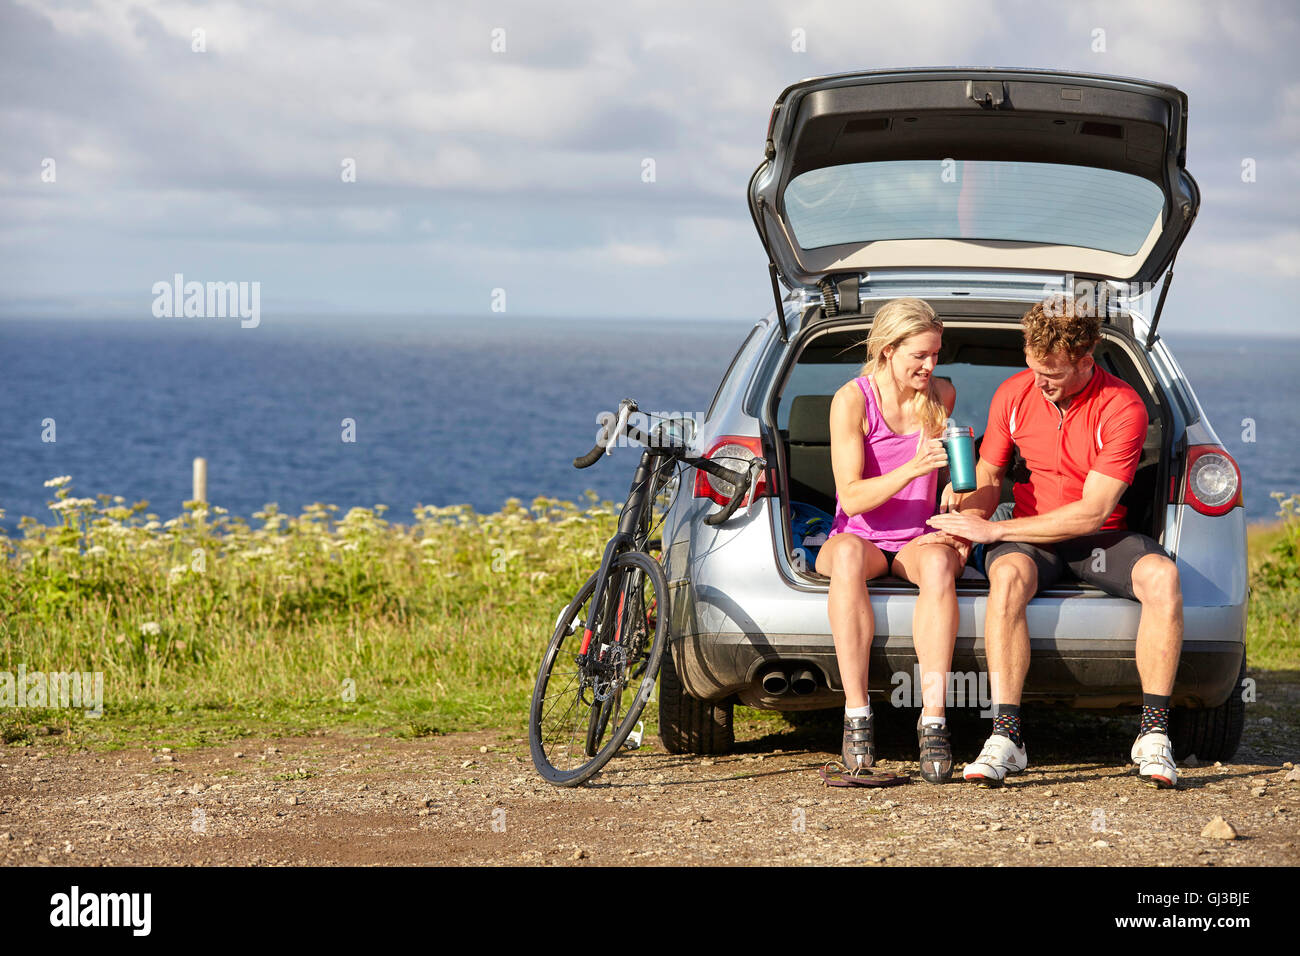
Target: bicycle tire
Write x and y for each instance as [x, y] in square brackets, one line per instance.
[599, 718]
[557, 743]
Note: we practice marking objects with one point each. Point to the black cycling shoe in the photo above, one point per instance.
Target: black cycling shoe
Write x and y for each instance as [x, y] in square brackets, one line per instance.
[859, 748]
[936, 752]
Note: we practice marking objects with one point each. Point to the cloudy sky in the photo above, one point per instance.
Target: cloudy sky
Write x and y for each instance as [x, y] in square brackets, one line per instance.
[521, 168]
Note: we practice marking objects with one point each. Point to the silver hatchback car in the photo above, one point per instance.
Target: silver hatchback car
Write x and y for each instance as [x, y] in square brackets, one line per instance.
[982, 192]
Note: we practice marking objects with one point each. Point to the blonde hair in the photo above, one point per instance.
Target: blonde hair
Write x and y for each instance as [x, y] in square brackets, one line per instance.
[894, 322]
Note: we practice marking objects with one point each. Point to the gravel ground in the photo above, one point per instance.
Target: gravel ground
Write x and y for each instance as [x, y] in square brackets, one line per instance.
[475, 799]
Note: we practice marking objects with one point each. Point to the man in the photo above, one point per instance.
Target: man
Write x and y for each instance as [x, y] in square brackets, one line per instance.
[1080, 431]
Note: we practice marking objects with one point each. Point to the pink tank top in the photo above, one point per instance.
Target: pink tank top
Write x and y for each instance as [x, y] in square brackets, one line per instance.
[901, 518]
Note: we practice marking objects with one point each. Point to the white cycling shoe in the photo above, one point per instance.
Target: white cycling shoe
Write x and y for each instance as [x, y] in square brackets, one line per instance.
[999, 758]
[1154, 755]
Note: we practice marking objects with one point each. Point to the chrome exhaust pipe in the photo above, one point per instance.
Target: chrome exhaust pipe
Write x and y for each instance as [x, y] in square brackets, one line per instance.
[803, 682]
[775, 683]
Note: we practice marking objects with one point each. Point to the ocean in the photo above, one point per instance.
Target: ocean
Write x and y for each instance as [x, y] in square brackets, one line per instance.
[443, 410]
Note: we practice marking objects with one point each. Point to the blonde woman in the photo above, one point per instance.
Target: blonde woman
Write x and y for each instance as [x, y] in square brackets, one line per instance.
[886, 456]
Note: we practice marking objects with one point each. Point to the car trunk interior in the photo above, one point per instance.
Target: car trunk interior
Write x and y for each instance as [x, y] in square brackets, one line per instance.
[982, 347]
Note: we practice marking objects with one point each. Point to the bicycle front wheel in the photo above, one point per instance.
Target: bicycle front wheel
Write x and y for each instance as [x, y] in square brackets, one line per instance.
[574, 704]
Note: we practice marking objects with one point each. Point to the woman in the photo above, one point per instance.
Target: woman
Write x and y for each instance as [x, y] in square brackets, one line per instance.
[886, 456]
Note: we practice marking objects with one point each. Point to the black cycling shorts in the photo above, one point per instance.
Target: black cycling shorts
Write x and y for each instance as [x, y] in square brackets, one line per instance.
[1104, 560]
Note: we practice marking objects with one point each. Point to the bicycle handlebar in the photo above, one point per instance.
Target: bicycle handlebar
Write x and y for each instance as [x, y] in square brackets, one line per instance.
[742, 488]
[743, 481]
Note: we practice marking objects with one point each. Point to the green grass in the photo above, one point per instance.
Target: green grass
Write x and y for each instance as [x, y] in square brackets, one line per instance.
[210, 630]
[1273, 625]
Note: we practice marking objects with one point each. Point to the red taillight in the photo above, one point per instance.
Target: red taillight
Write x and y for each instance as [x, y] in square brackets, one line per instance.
[735, 452]
[1211, 480]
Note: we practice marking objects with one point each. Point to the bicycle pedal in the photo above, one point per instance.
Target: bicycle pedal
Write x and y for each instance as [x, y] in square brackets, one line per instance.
[633, 741]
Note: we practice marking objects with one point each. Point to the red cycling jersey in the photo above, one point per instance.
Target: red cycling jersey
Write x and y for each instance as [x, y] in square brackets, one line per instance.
[1103, 430]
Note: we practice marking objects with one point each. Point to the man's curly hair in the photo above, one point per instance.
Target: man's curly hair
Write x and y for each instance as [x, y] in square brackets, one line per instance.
[1059, 324]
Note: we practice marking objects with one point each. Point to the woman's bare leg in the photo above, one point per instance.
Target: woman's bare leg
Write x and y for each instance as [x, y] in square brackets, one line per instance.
[934, 569]
[849, 561]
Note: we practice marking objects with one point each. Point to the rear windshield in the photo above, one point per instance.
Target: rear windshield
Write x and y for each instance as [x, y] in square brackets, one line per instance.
[973, 199]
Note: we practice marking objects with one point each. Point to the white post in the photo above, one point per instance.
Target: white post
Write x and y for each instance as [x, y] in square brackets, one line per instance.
[200, 479]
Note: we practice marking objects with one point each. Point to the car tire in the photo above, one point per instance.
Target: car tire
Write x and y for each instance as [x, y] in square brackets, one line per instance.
[1211, 733]
[687, 725]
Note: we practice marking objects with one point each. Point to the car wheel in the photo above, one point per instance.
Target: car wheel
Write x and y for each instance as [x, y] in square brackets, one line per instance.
[1212, 733]
[687, 725]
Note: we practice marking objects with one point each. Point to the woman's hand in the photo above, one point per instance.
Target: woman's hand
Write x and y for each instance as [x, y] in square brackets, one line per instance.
[960, 545]
[930, 456]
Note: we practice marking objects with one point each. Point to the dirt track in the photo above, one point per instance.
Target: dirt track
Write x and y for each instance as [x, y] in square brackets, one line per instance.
[475, 799]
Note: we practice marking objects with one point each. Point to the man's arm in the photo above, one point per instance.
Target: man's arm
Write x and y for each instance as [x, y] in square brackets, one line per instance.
[1101, 494]
[981, 502]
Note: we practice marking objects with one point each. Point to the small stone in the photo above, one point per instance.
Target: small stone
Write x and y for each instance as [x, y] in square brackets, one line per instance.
[1049, 793]
[1288, 765]
[238, 754]
[41, 858]
[291, 801]
[165, 750]
[1100, 844]
[1123, 799]
[482, 749]
[1258, 792]
[1219, 829]
[1293, 776]
[1266, 720]
[1191, 761]
[579, 855]
[995, 827]
[424, 812]
[466, 765]
[6, 836]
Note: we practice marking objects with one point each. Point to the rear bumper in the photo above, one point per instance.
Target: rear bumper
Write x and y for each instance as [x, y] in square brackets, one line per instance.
[1080, 673]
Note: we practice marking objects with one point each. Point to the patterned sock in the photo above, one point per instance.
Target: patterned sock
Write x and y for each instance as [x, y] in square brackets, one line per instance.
[1006, 721]
[1155, 715]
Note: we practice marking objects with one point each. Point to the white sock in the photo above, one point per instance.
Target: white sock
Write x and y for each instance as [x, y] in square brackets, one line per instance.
[930, 721]
[864, 711]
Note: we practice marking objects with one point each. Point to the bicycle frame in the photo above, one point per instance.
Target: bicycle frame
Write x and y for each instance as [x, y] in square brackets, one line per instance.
[626, 537]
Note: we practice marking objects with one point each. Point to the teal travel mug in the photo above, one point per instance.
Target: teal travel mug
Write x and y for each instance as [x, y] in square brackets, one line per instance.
[960, 442]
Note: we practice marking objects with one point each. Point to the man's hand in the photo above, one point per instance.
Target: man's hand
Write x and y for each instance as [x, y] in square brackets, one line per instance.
[966, 526]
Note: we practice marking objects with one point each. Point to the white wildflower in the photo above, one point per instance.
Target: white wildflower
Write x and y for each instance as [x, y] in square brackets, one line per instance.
[150, 627]
[97, 551]
[58, 482]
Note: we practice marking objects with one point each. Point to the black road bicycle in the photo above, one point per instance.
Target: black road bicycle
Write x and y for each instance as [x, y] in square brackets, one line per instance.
[600, 667]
